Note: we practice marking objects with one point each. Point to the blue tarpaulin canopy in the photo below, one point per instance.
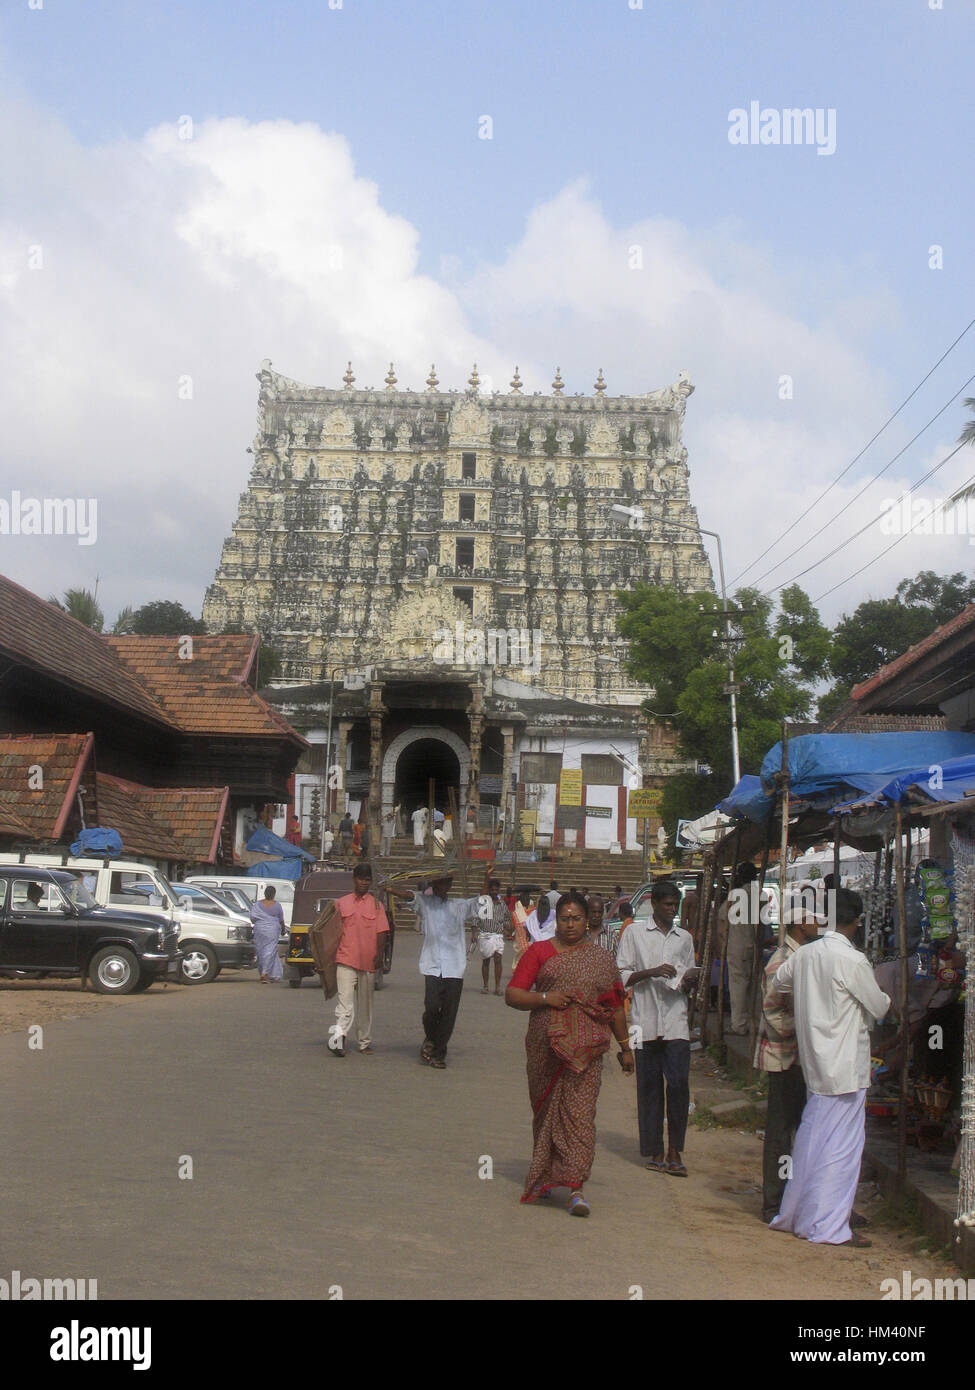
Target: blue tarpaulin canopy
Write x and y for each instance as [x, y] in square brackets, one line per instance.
[829, 767]
[277, 868]
[263, 842]
[953, 780]
[748, 801]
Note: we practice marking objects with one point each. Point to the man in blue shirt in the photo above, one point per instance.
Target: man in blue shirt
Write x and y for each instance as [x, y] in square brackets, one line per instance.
[443, 958]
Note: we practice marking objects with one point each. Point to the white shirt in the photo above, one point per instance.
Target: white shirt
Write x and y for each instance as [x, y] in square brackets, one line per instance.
[836, 1001]
[444, 950]
[659, 1006]
[545, 932]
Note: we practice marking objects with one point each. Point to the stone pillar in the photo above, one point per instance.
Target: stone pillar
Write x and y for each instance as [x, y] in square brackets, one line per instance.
[376, 711]
[475, 713]
[341, 760]
[507, 799]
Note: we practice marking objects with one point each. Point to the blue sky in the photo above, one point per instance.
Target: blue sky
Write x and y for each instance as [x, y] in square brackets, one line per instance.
[609, 123]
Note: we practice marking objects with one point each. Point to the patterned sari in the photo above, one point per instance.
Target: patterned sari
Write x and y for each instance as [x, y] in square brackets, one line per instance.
[565, 1059]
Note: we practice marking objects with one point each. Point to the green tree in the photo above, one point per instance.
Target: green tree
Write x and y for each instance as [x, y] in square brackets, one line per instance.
[879, 630]
[83, 605]
[164, 618]
[677, 645]
[944, 596]
[876, 632]
[123, 623]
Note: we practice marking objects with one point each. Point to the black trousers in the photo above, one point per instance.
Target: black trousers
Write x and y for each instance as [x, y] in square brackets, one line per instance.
[657, 1062]
[786, 1099]
[441, 1000]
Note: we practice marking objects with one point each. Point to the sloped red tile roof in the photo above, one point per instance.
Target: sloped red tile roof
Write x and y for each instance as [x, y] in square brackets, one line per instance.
[964, 619]
[121, 807]
[205, 692]
[10, 822]
[62, 760]
[36, 634]
[194, 816]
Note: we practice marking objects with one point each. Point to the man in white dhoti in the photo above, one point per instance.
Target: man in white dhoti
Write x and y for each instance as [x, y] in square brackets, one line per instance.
[488, 931]
[419, 819]
[836, 1001]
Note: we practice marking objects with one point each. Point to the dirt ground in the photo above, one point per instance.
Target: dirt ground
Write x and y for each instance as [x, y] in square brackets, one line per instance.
[727, 1217]
[708, 1241]
[26, 1002]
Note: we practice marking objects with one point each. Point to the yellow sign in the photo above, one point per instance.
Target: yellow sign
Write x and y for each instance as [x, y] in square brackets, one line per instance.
[644, 802]
[527, 822]
[570, 786]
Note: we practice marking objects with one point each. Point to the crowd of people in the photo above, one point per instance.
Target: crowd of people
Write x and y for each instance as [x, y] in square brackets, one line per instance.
[820, 999]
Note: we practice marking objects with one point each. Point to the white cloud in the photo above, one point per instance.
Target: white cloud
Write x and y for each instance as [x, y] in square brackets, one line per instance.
[166, 259]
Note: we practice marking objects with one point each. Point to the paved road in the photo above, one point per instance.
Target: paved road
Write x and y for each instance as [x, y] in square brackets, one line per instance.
[310, 1172]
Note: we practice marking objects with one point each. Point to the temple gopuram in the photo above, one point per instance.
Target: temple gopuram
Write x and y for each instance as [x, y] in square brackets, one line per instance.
[438, 570]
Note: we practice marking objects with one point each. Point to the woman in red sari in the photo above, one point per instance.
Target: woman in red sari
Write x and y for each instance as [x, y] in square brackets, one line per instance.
[573, 991]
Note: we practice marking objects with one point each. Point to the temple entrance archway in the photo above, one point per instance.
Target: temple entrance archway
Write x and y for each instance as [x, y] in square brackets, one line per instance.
[413, 758]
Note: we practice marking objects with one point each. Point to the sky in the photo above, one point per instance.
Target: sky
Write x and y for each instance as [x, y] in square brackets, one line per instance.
[188, 189]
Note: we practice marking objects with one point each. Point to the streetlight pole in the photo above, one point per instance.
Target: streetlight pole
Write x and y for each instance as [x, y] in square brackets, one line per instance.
[328, 752]
[736, 765]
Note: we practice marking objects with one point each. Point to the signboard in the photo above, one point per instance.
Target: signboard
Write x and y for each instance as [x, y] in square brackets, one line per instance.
[601, 770]
[643, 802]
[570, 787]
[602, 812]
[527, 821]
[687, 838]
[570, 817]
[540, 767]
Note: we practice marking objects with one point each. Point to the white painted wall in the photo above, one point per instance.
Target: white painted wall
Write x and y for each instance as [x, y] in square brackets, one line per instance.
[600, 833]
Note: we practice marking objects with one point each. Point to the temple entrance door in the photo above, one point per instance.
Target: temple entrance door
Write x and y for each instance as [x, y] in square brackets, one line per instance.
[418, 762]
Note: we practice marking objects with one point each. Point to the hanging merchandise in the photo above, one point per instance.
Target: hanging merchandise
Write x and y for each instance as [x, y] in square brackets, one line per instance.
[934, 887]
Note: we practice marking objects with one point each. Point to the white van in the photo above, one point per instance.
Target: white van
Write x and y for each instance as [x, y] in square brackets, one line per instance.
[209, 942]
[284, 890]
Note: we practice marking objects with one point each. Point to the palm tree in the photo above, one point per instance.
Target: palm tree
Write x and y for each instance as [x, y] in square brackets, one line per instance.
[83, 605]
[123, 623]
[967, 436]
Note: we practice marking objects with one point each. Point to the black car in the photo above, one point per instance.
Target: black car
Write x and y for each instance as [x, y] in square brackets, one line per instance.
[51, 925]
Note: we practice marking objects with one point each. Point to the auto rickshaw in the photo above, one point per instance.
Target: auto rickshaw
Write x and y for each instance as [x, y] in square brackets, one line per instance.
[311, 894]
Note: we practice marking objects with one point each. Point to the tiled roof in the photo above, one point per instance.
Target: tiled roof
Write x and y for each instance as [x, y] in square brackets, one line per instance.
[855, 722]
[929, 644]
[42, 810]
[206, 691]
[36, 634]
[194, 816]
[122, 807]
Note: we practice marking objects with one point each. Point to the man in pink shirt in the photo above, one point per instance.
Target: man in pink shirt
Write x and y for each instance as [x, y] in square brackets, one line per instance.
[359, 956]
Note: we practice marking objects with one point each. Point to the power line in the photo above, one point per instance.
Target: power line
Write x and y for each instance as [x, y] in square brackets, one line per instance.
[857, 457]
[889, 548]
[868, 484]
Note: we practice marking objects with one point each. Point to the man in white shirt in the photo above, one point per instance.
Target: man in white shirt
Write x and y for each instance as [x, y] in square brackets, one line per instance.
[836, 1000]
[656, 961]
[420, 818]
[443, 959]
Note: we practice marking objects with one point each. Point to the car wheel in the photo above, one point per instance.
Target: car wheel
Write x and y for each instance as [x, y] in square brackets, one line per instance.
[199, 964]
[113, 970]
